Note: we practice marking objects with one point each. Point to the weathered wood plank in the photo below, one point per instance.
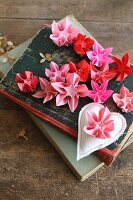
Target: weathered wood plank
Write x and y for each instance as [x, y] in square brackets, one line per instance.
[118, 35]
[84, 10]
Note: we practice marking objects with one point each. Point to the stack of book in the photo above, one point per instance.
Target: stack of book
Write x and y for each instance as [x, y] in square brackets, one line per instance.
[64, 144]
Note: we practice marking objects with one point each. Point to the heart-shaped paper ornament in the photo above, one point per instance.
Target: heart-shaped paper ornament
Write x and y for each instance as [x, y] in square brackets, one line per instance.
[95, 123]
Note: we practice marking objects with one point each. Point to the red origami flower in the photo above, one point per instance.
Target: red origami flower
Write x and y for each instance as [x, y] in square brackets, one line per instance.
[26, 82]
[82, 44]
[47, 92]
[122, 67]
[102, 74]
[82, 69]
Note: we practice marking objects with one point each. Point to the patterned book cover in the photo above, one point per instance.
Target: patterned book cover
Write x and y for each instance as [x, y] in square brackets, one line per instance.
[61, 117]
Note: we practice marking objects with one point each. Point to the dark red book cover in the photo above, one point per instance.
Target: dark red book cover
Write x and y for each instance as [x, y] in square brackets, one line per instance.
[61, 117]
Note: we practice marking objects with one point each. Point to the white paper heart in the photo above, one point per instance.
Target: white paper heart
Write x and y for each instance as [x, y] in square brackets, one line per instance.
[88, 144]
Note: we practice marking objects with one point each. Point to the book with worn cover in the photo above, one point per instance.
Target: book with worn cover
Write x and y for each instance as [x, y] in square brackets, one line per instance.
[61, 117]
[83, 168]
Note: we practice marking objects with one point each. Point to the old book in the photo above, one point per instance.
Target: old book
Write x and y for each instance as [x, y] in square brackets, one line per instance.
[83, 168]
[61, 117]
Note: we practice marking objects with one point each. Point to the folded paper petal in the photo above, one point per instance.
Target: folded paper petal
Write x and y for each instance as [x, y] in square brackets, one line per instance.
[100, 56]
[70, 91]
[55, 74]
[82, 44]
[102, 75]
[47, 91]
[63, 33]
[99, 93]
[97, 128]
[26, 82]
[121, 67]
[124, 99]
[82, 69]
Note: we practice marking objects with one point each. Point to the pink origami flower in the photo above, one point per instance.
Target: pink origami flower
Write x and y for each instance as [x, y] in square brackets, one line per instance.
[47, 92]
[55, 74]
[99, 93]
[63, 33]
[99, 56]
[26, 82]
[103, 74]
[100, 125]
[70, 91]
[124, 99]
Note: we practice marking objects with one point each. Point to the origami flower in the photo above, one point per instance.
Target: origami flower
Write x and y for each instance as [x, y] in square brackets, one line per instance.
[103, 74]
[63, 33]
[70, 91]
[122, 67]
[47, 92]
[55, 74]
[99, 93]
[99, 56]
[26, 82]
[82, 69]
[82, 44]
[100, 125]
[124, 99]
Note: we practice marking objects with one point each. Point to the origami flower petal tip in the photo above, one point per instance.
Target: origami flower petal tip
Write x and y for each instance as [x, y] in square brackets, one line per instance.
[63, 33]
[26, 82]
[124, 99]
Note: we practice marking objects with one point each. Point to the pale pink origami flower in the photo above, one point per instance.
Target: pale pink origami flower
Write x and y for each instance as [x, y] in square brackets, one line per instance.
[103, 74]
[26, 82]
[63, 33]
[99, 56]
[124, 99]
[100, 125]
[55, 74]
[99, 93]
[47, 92]
[70, 91]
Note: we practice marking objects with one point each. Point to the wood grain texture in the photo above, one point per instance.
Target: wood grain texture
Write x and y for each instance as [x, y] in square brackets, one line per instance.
[32, 169]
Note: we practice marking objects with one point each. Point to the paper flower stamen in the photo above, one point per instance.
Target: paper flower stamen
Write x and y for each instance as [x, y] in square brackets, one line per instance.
[26, 82]
[124, 99]
[100, 125]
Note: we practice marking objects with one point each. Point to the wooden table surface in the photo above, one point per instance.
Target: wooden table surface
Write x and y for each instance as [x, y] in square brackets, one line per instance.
[32, 169]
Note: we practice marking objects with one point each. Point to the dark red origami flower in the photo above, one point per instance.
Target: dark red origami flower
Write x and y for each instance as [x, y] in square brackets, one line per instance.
[121, 67]
[82, 44]
[82, 69]
[26, 82]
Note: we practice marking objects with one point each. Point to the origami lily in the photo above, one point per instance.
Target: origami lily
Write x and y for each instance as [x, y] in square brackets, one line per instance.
[55, 74]
[63, 33]
[124, 99]
[82, 44]
[100, 125]
[82, 69]
[26, 82]
[103, 74]
[70, 91]
[122, 67]
[47, 92]
[100, 56]
[99, 93]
